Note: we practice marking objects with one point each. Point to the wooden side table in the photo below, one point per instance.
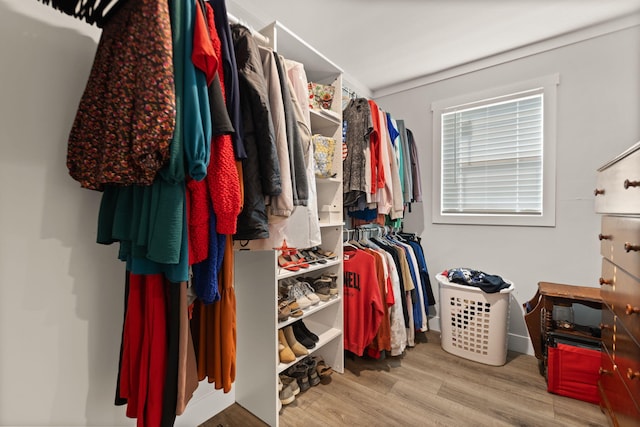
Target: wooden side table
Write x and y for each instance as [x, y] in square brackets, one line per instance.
[539, 313]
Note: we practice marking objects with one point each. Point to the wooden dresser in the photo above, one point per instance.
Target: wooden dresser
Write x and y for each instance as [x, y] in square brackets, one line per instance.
[618, 199]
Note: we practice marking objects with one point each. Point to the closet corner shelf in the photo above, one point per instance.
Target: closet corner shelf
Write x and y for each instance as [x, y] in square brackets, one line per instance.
[324, 338]
[283, 273]
[309, 311]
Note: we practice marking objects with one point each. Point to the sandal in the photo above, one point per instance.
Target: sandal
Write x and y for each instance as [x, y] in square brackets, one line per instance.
[322, 368]
[295, 310]
[288, 264]
[327, 254]
[284, 310]
[299, 261]
[312, 257]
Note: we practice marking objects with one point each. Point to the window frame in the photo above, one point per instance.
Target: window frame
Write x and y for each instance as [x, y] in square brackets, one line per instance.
[548, 85]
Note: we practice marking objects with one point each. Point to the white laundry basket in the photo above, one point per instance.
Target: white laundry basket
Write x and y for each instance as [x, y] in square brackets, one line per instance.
[474, 323]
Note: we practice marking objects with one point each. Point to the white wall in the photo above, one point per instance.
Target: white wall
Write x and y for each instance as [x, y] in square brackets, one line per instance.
[61, 294]
[598, 111]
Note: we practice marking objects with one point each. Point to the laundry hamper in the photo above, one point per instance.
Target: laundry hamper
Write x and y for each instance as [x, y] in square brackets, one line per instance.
[473, 323]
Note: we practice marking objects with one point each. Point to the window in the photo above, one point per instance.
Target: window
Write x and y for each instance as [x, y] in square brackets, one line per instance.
[494, 156]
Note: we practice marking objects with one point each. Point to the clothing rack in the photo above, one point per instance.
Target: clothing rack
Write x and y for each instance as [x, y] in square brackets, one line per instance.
[350, 93]
[366, 231]
[91, 11]
[260, 38]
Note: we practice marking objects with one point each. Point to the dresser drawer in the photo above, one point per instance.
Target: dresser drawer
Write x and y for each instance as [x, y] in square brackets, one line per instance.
[607, 276]
[618, 397]
[621, 292]
[607, 328]
[611, 194]
[620, 242]
[625, 358]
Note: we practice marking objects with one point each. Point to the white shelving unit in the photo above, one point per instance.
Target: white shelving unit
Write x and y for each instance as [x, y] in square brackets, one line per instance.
[257, 274]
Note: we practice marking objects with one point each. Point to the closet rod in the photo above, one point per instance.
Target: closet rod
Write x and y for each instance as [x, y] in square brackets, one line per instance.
[260, 37]
[352, 94]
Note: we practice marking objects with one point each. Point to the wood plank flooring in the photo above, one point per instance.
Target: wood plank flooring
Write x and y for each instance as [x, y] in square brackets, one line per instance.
[429, 387]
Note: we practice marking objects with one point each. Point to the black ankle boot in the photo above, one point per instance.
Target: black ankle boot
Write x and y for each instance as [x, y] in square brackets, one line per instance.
[307, 332]
[302, 337]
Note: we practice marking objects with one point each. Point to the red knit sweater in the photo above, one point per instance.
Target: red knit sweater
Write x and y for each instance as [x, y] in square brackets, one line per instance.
[221, 186]
[222, 175]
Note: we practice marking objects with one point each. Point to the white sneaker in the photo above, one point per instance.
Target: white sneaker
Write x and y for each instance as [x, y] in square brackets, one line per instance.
[296, 293]
[307, 290]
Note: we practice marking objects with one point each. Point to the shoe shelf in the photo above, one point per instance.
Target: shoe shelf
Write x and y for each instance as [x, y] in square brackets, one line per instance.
[258, 274]
[283, 273]
[325, 337]
[309, 311]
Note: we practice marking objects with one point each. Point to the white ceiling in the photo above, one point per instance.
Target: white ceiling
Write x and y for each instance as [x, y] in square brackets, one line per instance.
[382, 43]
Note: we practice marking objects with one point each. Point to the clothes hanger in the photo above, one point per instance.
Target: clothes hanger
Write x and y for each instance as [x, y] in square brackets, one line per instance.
[92, 11]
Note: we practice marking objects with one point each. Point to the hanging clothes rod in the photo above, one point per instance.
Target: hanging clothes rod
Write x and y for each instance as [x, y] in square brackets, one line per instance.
[352, 94]
[262, 39]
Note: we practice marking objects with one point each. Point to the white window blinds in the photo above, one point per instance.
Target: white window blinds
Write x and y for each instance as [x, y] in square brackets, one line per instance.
[492, 155]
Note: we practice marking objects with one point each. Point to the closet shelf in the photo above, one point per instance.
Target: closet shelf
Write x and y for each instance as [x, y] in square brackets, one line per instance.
[324, 338]
[324, 119]
[309, 311]
[328, 180]
[283, 273]
[317, 66]
[331, 224]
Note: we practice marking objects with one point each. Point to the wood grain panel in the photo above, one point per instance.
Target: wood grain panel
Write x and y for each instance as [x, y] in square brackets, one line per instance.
[430, 387]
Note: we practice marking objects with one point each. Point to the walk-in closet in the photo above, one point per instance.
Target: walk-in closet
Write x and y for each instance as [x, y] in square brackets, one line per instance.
[319, 213]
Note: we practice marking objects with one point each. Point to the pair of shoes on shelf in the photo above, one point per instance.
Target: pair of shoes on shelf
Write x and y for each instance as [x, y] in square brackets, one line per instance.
[287, 308]
[333, 288]
[312, 257]
[304, 335]
[288, 388]
[292, 262]
[321, 253]
[302, 293]
[305, 373]
[288, 346]
[289, 258]
[323, 370]
[322, 288]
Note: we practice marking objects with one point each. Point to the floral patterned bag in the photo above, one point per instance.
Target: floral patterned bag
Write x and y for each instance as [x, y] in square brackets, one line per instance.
[323, 153]
[320, 96]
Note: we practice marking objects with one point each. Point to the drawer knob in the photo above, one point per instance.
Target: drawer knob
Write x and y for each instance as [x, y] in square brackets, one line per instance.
[603, 371]
[632, 375]
[604, 236]
[629, 247]
[629, 309]
[605, 326]
[628, 184]
[598, 191]
[604, 281]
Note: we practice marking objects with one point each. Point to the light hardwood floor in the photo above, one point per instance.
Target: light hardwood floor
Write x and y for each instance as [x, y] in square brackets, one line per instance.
[429, 387]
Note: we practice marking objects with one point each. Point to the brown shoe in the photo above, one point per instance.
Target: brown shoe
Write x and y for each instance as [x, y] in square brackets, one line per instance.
[285, 352]
[297, 348]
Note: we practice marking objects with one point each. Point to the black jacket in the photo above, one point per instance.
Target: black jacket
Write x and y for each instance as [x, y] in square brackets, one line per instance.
[261, 168]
